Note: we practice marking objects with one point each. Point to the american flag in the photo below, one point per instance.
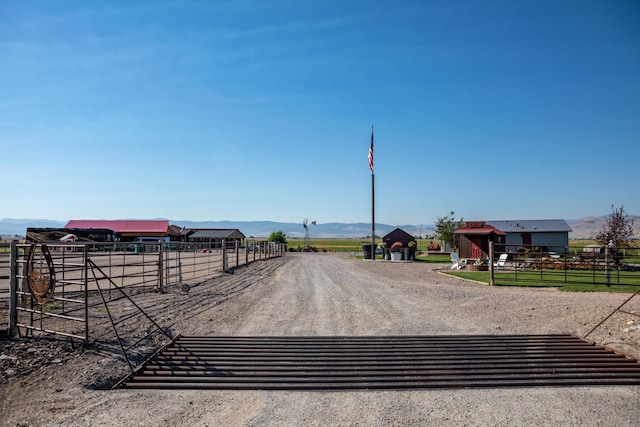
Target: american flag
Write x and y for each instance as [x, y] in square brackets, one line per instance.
[371, 152]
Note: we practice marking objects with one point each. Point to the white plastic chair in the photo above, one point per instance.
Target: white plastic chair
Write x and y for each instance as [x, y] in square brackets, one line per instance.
[501, 261]
[457, 264]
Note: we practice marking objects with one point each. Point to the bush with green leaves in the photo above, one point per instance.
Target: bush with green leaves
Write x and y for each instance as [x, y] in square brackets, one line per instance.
[278, 237]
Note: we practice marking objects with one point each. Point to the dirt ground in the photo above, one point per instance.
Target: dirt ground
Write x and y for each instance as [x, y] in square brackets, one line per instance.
[48, 383]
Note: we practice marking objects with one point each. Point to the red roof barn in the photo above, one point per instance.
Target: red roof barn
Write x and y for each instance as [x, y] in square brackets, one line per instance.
[474, 239]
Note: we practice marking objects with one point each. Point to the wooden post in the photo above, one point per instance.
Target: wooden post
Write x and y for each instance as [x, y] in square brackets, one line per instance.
[224, 255]
[491, 281]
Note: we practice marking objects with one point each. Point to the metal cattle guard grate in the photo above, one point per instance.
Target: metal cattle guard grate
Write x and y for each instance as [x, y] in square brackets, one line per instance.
[394, 362]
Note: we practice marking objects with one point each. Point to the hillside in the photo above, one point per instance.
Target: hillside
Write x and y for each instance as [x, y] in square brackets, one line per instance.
[585, 227]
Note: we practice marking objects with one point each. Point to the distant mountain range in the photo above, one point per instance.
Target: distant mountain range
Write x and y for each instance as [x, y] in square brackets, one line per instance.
[585, 227]
[18, 227]
[582, 228]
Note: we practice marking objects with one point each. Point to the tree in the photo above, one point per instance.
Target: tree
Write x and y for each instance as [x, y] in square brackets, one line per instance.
[617, 228]
[278, 237]
[446, 226]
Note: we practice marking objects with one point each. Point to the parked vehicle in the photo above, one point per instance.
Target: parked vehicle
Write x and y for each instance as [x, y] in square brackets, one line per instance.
[597, 252]
[95, 238]
[142, 244]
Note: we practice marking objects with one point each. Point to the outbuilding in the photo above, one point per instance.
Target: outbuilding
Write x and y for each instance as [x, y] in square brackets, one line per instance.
[213, 237]
[398, 235]
[474, 238]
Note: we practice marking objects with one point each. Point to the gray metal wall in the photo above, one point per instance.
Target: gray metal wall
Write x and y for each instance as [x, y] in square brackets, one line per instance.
[556, 242]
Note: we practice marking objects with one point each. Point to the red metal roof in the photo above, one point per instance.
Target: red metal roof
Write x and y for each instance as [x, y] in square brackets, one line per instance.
[486, 229]
[123, 226]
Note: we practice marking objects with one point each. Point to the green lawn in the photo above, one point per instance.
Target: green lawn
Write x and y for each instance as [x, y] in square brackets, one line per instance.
[346, 245]
[439, 259]
[332, 245]
[576, 281]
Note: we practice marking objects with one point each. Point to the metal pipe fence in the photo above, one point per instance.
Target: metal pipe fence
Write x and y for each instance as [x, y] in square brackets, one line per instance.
[138, 268]
[592, 264]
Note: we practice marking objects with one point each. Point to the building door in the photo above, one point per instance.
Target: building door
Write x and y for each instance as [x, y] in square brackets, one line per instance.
[476, 246]
[526, 239]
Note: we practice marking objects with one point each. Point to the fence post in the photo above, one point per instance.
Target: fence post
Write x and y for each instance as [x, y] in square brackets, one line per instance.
[237, 248]
[160, 265]
[566, 263]
[491, 282]
[224, 255]
[13, 290]
[607, 265]
[85, 259]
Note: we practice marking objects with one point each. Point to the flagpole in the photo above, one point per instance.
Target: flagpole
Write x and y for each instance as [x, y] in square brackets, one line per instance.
[373, 198]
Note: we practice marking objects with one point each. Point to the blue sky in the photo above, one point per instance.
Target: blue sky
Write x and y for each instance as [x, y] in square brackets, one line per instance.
[257, 110]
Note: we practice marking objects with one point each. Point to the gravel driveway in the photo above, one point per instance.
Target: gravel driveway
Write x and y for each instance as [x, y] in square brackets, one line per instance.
[334, 294]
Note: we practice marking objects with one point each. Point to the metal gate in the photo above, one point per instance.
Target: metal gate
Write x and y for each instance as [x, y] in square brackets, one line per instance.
[57, 288]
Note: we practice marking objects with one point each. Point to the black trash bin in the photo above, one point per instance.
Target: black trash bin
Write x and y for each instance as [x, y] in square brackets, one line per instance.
[367, 251]
[366, 248]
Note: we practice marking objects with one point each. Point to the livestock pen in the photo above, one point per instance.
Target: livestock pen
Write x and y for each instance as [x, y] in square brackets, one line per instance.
[60, 288]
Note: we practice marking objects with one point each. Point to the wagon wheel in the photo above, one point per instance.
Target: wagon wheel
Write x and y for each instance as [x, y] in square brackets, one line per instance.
[41, 284]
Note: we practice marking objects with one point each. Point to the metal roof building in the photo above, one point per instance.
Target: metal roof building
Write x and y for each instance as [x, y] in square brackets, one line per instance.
[215, 236]
[127, 229]
[531, 225]
[548, 234]
[215, 233]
